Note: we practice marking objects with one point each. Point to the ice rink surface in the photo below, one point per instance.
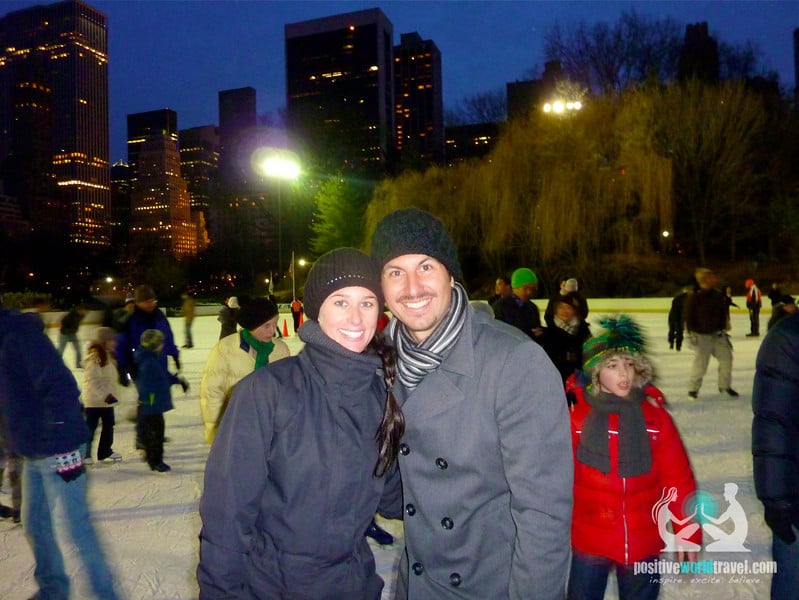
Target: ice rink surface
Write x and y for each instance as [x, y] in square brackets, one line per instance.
[149, 522]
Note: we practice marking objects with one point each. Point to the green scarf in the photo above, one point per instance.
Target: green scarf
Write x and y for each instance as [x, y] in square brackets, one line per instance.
[262, 349]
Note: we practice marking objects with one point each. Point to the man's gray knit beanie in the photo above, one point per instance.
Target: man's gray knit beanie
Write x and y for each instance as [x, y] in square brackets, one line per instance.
[414, 231]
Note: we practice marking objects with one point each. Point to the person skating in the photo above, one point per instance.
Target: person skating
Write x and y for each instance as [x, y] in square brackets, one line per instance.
[100, 393]
[153, 383]
[235, 356]
[706, 322]
[39, 402]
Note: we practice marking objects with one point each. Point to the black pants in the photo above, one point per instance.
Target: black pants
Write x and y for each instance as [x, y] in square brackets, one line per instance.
[153, 432]
[754, 320]
[93, 417]
[675, 337]
[296, 316]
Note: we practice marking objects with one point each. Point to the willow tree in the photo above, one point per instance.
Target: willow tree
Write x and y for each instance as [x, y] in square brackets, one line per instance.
[711, 135]
[554, 191]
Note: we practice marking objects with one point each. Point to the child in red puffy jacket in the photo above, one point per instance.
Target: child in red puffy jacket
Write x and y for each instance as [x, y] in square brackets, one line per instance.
[631, 476]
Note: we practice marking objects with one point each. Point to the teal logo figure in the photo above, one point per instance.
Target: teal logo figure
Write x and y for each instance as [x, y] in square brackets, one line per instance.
[674, 540]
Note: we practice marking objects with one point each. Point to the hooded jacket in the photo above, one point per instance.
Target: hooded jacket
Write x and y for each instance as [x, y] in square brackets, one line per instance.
[613, 514]
[39, 397]
[153, 382]
[230, 360]
[289, 488]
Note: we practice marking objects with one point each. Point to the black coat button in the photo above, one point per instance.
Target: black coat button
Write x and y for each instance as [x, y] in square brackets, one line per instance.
[441, 463]
[405, 450]
[455, 579]
[418, 568]
[447, 523]
[410, 510]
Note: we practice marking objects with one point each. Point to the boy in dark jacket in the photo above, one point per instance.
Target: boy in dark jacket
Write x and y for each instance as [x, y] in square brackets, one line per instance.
[155, 398]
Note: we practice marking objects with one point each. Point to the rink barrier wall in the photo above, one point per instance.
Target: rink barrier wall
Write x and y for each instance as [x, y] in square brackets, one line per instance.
[597, 306]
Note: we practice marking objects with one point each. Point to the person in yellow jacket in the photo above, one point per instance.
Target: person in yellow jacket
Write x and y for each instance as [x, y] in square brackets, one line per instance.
[235, 356]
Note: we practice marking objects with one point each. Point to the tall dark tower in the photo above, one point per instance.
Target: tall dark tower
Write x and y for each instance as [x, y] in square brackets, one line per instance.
[419, 103]
[54, 119]
[340, 90]
[238, 120]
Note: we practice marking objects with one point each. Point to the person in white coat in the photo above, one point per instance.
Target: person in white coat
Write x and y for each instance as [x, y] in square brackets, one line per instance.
[235, 356]
[100, 393]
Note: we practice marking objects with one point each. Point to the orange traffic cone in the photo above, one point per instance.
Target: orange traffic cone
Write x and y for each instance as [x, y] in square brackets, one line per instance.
[285, 328]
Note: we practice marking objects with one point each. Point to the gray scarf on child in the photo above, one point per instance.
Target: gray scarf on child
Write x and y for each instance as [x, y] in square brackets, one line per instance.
[635, 453]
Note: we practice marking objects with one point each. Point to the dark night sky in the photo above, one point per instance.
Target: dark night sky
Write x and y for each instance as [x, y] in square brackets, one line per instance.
[180, 53]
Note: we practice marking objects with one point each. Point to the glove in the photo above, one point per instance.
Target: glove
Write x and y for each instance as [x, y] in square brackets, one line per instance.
[69, 466]
[111, 399]
[124, 378]
[780, 517]
[183, 383]
[571, 398]
[177, 363]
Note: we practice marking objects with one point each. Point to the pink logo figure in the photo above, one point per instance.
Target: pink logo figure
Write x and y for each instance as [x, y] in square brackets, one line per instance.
[675, 541]
[734, 540]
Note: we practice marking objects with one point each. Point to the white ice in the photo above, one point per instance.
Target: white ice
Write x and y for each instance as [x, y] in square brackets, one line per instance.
[149, 522]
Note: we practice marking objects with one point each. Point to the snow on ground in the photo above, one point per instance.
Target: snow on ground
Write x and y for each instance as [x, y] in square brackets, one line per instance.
[150, 523]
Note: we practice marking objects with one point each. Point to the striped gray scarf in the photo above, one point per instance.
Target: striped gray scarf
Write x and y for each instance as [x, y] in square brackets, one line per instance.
[415, 361]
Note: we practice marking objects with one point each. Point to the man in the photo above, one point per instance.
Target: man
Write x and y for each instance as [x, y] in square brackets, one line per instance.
[754, 301]
[188, 317]
[486, 459]
[706, 322]
[296, 313]
[40, 406]
[517, 309]
[775, 448]
[502, 289]
[146, 315]
[69, 333]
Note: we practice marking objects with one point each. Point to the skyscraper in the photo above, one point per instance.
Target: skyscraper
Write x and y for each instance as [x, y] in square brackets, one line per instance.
[340, 90]
[238, 121]
[199, 166]
[54, 119]
[160, 204]
[418, 101]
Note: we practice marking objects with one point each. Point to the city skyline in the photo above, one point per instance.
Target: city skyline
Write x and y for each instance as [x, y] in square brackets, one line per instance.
[181, 54]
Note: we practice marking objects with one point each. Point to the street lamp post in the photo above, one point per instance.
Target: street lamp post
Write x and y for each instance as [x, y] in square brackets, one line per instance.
[280, 165]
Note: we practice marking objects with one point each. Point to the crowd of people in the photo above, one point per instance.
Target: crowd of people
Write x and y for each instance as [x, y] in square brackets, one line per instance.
[527, 457]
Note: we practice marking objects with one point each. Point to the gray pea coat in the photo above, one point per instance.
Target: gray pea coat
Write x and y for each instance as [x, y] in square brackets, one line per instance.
[487, 471]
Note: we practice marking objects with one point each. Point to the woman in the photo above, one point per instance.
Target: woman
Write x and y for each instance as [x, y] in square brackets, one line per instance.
[235, 356]
[306, 454]
[99, 393]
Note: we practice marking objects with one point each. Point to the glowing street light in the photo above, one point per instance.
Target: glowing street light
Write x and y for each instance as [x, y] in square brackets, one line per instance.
[282, 165]
[560, 107]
